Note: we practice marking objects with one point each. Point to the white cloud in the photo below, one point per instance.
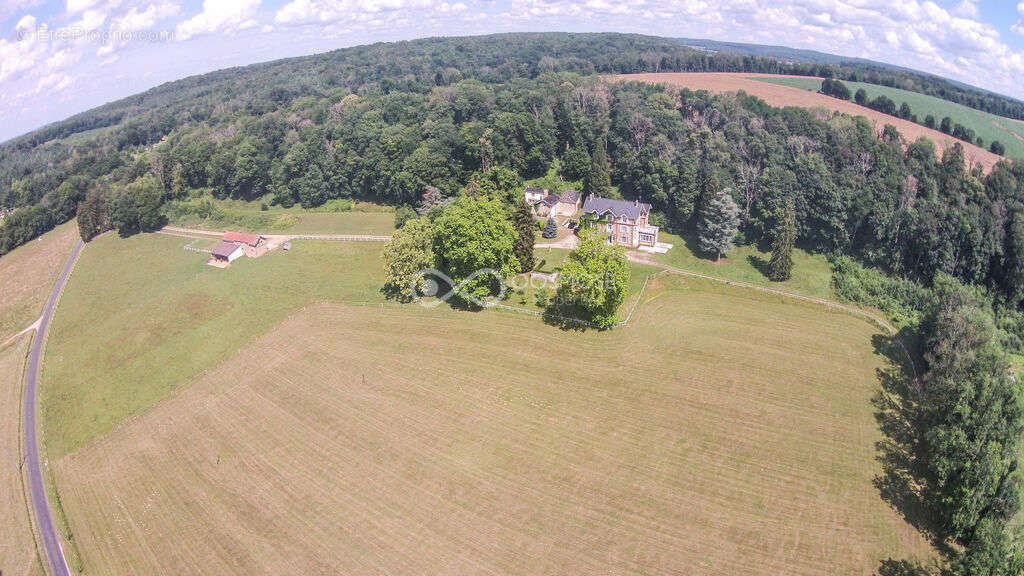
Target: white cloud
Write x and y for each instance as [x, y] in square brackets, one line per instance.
[966, 9]
[76, 6]
[135, 20]
[224, 16]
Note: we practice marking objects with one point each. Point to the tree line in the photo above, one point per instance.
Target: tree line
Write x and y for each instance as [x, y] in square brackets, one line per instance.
[886, 105]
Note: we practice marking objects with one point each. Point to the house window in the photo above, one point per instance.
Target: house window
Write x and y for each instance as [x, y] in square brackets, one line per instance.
[625, 238]
[647, 238]
[608, 228]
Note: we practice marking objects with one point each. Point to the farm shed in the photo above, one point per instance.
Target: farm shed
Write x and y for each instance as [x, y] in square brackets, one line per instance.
[227, 252]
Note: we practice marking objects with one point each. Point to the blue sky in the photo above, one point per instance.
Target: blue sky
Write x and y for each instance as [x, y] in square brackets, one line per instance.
[58, 58]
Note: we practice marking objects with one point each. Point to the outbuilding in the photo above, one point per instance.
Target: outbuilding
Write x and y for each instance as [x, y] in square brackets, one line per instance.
[227, 252]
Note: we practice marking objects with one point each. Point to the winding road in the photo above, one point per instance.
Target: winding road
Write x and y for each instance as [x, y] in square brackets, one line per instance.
[58, 566]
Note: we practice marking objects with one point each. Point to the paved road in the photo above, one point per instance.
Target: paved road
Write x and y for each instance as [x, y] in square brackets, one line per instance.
[58, 566]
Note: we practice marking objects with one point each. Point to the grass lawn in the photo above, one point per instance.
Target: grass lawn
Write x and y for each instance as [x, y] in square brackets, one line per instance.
[989, 126]
[362, 218]
[17, 548]
[116, 348]
[812, 273]
[27, 275]
[725, 431]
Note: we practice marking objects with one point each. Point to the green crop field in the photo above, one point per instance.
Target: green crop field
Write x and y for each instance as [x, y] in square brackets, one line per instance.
[989, 126]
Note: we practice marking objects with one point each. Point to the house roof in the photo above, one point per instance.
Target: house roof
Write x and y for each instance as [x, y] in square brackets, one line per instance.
[570, 196]
[630, 209]
[225, 249]
[550, 200]
[534, 190]
[242, 238]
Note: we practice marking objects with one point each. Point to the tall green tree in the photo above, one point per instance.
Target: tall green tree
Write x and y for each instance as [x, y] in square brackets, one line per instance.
[594, 279]
[526, 231]
[92, 214]
[970, 411]
[410, 251]
[598, 180]
[472, 235]
[780, 267]
[719, 223]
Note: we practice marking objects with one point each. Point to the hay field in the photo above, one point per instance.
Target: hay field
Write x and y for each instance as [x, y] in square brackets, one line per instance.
[27, 274]
[780, 96]
[116, 348]
[17, 548]
[723, 432]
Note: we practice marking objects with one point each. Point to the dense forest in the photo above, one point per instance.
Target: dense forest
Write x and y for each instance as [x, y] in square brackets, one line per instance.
[416, 124]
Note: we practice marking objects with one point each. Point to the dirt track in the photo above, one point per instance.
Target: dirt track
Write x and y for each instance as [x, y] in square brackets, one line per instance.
[779, 95]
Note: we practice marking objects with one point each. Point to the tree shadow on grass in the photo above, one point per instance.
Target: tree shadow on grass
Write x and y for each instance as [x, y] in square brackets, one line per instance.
[891, 567]
[902, 483]
[759, 264]
[567, 318]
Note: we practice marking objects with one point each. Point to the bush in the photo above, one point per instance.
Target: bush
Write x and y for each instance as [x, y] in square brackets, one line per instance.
[901, 300]
[550, 229]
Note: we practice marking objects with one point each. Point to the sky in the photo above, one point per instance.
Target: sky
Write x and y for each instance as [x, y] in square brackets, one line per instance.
[59, 58]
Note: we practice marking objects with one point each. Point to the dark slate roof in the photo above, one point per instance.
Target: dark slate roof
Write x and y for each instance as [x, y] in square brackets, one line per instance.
[225, 249]
[533, 190]
[618, 208]
[570, 196]
[550, 200]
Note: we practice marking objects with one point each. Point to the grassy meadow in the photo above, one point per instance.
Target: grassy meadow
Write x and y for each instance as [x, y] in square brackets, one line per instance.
[27, 274]
[989, 126]
[812, 273]
[17, 548]
[707, 437]
[116, 348]
[335, 217]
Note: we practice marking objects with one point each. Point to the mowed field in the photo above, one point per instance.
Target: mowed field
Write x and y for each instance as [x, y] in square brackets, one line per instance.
[27, 274]
[17, 548]
[780, 96]
[989, 126]
[724, 431]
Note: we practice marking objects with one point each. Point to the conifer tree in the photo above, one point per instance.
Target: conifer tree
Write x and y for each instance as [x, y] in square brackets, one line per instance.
[598, 179]
[550, 229]
[780, 267]
[525, 230]
[718, 224]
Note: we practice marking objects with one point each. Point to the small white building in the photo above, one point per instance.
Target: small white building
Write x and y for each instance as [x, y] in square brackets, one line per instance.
[228, 252]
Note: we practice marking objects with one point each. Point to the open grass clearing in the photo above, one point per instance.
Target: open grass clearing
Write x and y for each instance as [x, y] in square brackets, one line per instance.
[27, 274]
[812, 273]
[723, 432]
[989, 126]
[17, 547]
[781, 96]
[339, 217]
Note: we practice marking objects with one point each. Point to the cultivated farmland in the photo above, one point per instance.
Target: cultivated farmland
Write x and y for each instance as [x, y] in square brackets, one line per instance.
[27, 275]
[989, 126]
[724, 431]
[17, 549]
[779, 95]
